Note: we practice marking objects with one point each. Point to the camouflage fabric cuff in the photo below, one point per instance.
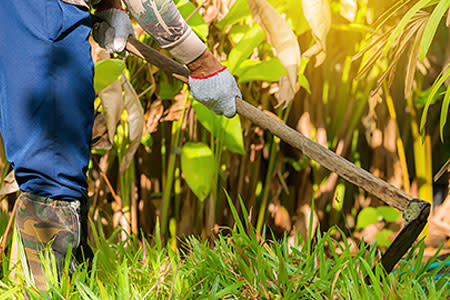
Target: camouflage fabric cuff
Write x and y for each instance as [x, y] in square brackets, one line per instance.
[188, 48]
[44, 200]
[163, 21]
[42, 221]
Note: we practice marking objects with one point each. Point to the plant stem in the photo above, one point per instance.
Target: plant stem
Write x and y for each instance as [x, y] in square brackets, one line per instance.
[274, 149]
[124, 187]
[176, 133]
[422, 159]
[272, 159]
[400, 147]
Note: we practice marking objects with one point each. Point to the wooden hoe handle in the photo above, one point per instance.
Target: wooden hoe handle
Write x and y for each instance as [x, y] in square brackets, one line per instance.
[325, 157]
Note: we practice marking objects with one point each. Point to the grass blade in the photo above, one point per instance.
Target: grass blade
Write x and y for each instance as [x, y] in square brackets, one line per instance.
[431, 28]
[444, 112]
[434, 89]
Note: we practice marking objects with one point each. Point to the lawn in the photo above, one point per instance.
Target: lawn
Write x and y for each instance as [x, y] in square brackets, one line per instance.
[237, 264]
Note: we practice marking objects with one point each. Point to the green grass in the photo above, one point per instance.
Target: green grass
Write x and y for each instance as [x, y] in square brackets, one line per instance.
[237, 265]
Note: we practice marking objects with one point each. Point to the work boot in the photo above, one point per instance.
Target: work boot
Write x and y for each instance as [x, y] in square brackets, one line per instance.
[42, 221]
[83, 253]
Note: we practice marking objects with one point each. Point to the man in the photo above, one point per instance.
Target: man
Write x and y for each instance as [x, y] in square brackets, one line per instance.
[46, 104]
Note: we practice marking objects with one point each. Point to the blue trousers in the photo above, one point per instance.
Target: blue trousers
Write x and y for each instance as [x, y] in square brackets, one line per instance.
[46, 95]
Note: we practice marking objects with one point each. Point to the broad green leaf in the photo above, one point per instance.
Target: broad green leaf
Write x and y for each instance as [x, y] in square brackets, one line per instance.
[382, 238]
[198, 167]
[196, 22]
[237, 32]
[237, 12]
[388, 213]
[244, 65]
[270, 70]
[227, 130]
[244, 48]
[444, 112]
[168, 90]
[293, 10]
[366, 217]
[284, 42]
[431, 28]
[303, 82]
[106, 72]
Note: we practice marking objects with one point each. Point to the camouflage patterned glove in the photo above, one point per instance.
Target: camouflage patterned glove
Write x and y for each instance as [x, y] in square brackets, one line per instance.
[43, 220]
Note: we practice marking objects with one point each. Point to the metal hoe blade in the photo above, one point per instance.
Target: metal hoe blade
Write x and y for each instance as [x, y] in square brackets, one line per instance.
[410, 232]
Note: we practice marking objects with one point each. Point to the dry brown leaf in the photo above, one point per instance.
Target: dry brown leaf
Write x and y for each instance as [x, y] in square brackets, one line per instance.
[402, 44]
[282, 218]
[348, 9]
[153, 116]
[305, 125]
[175, 110]
[284, 42]
[368, 233]
[271, 114]
[98, 53]
[100, 138]
[212, 11]
[445, 168]
[135, 122]
[376, 41]
[369, 121]
[111, 97]
[285, 92]
[318, 15]
[410, 35]
[9, 185]
[303, 223]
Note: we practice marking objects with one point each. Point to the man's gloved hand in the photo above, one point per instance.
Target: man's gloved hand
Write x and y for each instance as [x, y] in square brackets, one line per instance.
[217, 90]
[112, 34]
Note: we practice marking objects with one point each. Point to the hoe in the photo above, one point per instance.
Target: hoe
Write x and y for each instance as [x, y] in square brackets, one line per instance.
[415, 211]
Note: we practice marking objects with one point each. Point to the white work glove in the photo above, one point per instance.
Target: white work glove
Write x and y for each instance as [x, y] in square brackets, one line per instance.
[112, 34]
[217, 92]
